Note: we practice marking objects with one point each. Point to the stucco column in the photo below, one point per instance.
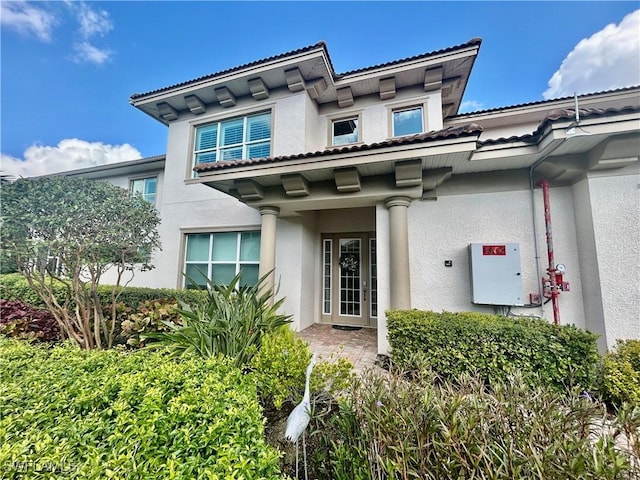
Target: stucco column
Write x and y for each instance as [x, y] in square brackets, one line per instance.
[400, 287]
[269, 216]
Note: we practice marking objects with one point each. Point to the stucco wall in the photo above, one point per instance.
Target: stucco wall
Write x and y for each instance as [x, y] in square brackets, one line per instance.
[615, 205]
[587, 251]
[297, 268]
[442, 230]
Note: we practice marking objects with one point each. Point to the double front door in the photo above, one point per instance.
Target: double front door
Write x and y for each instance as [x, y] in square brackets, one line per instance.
[349, 279]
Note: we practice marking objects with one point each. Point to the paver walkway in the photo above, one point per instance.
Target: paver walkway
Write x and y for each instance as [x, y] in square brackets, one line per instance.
[359, 346]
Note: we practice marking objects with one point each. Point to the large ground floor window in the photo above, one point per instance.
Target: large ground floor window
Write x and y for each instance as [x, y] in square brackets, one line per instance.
[221, 256]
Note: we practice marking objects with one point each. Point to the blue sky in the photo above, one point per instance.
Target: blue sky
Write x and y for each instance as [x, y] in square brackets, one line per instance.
[69, 68]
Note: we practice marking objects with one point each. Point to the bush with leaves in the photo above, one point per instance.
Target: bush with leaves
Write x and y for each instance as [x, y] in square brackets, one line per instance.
[17, 319]
[279, 370]
[74, 414]
[621, 373]
[392, 427]
[71, 231]
[231, 321]
[150, 316]
[494, 347]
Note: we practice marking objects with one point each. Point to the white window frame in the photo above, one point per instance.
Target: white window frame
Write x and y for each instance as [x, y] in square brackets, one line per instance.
[327, 276]
[211, 262]
[245, 144]
[358, 139]
[144, 195]
[405, 106]
[343, 116]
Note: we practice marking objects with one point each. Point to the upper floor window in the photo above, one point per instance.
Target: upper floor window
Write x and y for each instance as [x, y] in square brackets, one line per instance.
[407, 121]
[345, 131]
[234, 139]
[147, 187]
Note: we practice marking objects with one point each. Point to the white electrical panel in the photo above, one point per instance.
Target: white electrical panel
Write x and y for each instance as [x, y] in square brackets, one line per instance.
[496, 278]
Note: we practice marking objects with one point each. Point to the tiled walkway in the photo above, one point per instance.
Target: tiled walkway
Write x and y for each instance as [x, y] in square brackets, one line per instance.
[359, 346]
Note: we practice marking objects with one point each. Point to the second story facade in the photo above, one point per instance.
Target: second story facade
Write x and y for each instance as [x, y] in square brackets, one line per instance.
[295, 103]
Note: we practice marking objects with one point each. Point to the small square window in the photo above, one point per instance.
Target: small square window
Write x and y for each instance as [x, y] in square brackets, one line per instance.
[147, 187]
[345, 131]
[407, 121]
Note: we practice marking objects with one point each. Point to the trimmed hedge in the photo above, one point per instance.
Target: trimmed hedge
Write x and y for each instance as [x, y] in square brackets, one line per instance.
[494, 347]
[14, 286]
[68, 413]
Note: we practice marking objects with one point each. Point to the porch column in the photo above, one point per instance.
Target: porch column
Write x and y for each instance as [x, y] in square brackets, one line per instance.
[269, 216]
[400, 288]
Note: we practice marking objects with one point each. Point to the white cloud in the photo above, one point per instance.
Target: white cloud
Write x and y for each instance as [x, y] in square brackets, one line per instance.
[92, 23]
[84, 52]
[471, 106]
[27, 19]
[69, 154]
[608, 59]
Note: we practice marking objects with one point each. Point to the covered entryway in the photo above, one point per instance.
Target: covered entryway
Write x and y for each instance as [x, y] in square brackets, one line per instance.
[349, 279]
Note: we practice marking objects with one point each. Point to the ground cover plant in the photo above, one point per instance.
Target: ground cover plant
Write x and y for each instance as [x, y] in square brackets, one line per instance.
[494, 347]
[17, 319]
[392, 427]
[69, 413]
[70, 231]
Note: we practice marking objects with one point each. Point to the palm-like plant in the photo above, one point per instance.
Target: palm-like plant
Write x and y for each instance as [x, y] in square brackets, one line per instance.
[231, 321]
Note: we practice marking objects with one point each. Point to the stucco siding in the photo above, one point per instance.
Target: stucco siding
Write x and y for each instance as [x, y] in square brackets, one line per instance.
[589, 271]
[442, 230]
[615, 203]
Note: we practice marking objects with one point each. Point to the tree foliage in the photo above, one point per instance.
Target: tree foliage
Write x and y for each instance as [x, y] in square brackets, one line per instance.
[73, 230]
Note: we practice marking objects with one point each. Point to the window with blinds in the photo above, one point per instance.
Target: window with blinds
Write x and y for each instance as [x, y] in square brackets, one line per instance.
[234, 139]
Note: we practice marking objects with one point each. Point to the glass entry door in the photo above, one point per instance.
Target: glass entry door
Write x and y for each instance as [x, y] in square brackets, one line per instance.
[348, 298]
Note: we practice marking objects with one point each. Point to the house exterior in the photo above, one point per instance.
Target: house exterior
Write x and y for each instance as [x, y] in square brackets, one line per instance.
[367, 190]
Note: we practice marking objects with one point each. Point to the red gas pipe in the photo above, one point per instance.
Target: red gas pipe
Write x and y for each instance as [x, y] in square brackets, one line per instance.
[550, 285]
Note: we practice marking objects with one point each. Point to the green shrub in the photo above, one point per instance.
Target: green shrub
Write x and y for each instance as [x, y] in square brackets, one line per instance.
[279, 370]
[389, 427]
[231, 321]
[621, 373]
[494, 347]
[139, 415]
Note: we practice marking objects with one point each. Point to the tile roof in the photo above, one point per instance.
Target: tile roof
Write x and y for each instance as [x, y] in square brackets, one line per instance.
[542, 102]
[560, 114]
[470, 43]
[238, 68]
[458, 131]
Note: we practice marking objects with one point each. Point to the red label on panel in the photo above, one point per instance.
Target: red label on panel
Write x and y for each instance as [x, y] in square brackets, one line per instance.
[494, 250]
